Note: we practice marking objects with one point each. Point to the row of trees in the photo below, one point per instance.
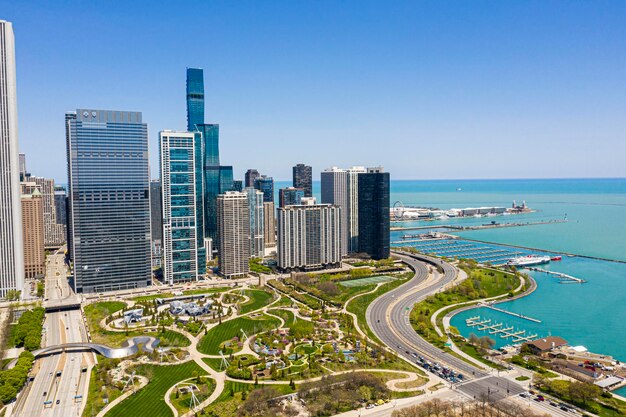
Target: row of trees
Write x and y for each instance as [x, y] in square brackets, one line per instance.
[12, 380]
[440, 408]
[27, 332]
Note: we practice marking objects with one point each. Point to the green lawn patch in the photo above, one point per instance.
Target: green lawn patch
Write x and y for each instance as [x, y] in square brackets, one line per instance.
[173, 339]
[149, 401]
[211, 341]
[360, 282]
[258, 299]
[286, 315]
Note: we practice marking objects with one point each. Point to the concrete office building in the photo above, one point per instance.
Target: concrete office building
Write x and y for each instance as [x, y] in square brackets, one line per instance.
[33, 232]
[233, 216]
[374, 213]
[257, 222]
[290, 196]
[309, 236]
[269, 217]
[11, 239]
[250, 177]
[109, 199]
[303, 178]
[156, 223]
[22, 163]
[180, 241]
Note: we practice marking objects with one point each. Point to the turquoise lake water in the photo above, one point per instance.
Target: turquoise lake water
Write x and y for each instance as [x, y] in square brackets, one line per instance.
[591, 314]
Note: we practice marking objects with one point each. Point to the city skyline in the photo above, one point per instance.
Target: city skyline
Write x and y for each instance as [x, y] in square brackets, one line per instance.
[439, 78]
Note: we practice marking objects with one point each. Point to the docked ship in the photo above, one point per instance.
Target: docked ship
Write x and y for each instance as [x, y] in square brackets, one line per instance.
[528, 260]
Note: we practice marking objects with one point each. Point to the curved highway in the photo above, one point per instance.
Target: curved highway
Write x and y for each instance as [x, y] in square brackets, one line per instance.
[388, 317]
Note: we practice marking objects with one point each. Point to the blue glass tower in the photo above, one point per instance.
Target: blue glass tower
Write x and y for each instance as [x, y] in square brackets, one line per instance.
[195, 98]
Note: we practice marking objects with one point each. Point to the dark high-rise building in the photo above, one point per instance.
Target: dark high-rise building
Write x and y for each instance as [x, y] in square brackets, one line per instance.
[266, 185]
[374, 213]
[290, 196]
[195, 98]
[303, 178]
[238, 185]
[226, 179]
[109, 199]
[251, 176]
[60, 204]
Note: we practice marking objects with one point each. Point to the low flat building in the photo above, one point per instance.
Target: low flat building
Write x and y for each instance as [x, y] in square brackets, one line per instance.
[542, 346]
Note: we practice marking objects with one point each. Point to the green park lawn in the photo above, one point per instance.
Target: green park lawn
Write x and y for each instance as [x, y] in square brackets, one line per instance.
[211, 341]
[258, 299]
[149, 401]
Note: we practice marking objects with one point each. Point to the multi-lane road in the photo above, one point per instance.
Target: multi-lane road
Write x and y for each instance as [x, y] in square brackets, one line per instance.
[60, 385]
[388, 317]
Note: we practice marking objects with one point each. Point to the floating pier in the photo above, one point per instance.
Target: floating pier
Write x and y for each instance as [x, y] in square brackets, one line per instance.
[504, 332]
[565, 279]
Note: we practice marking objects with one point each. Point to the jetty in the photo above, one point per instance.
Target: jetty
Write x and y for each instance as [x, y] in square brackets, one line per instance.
[521, 316]
[565, 279]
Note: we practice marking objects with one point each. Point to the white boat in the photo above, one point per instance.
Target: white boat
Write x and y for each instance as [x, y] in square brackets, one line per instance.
[528, 260]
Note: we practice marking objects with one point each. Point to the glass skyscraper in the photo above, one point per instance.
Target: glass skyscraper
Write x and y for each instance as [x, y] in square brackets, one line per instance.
[195, 98]
[374, 213]
[109, 199]
[180, 250]
[265, 184]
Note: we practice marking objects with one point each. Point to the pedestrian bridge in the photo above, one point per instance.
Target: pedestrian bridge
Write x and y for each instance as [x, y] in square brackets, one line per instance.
[129, 348]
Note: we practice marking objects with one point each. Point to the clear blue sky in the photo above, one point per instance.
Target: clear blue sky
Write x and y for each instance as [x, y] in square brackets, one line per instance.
[456, 89]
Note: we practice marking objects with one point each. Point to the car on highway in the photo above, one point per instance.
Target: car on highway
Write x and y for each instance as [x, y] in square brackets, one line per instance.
[58, 401]
[369, 406]
[539, 398]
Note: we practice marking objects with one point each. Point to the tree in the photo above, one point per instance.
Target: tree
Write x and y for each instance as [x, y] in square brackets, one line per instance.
[583, 391]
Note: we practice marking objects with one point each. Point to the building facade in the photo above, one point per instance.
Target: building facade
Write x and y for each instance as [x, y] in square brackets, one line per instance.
[290, 196]
[257, 222]
[251, 176]
[265, 184]
[269, 218]
[374, 213]
[33, 232]
[234, 232]
[303, 178]
[178, 179]
[309, 236]
[238, 185]
[156, 223]
[109, 199]
[11, 239]
[54, 232]
[60, 205]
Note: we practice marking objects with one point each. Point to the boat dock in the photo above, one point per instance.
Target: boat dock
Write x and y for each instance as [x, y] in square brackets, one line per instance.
[497, 328]
[493, 225]
[521, 316]
[565, 279]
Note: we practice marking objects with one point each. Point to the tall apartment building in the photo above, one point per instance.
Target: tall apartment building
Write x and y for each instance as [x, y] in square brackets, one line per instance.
[303, 178]
[33, 232]
[234, 234]
[290, 196]
[250, 177]
[309, 236]
[11, 239]
[374, 213]
[178, 179]
[269, 217]
[156, 223]
[109, 199]
[257, 222]
[265, 184]
[340, 187]
[54, 232]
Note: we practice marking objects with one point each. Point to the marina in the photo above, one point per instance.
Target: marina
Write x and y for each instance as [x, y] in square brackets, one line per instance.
[521, 316]
[505, 332]
[564, 278]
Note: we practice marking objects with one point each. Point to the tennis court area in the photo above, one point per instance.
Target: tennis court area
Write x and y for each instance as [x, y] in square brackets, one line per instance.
[361, 282]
